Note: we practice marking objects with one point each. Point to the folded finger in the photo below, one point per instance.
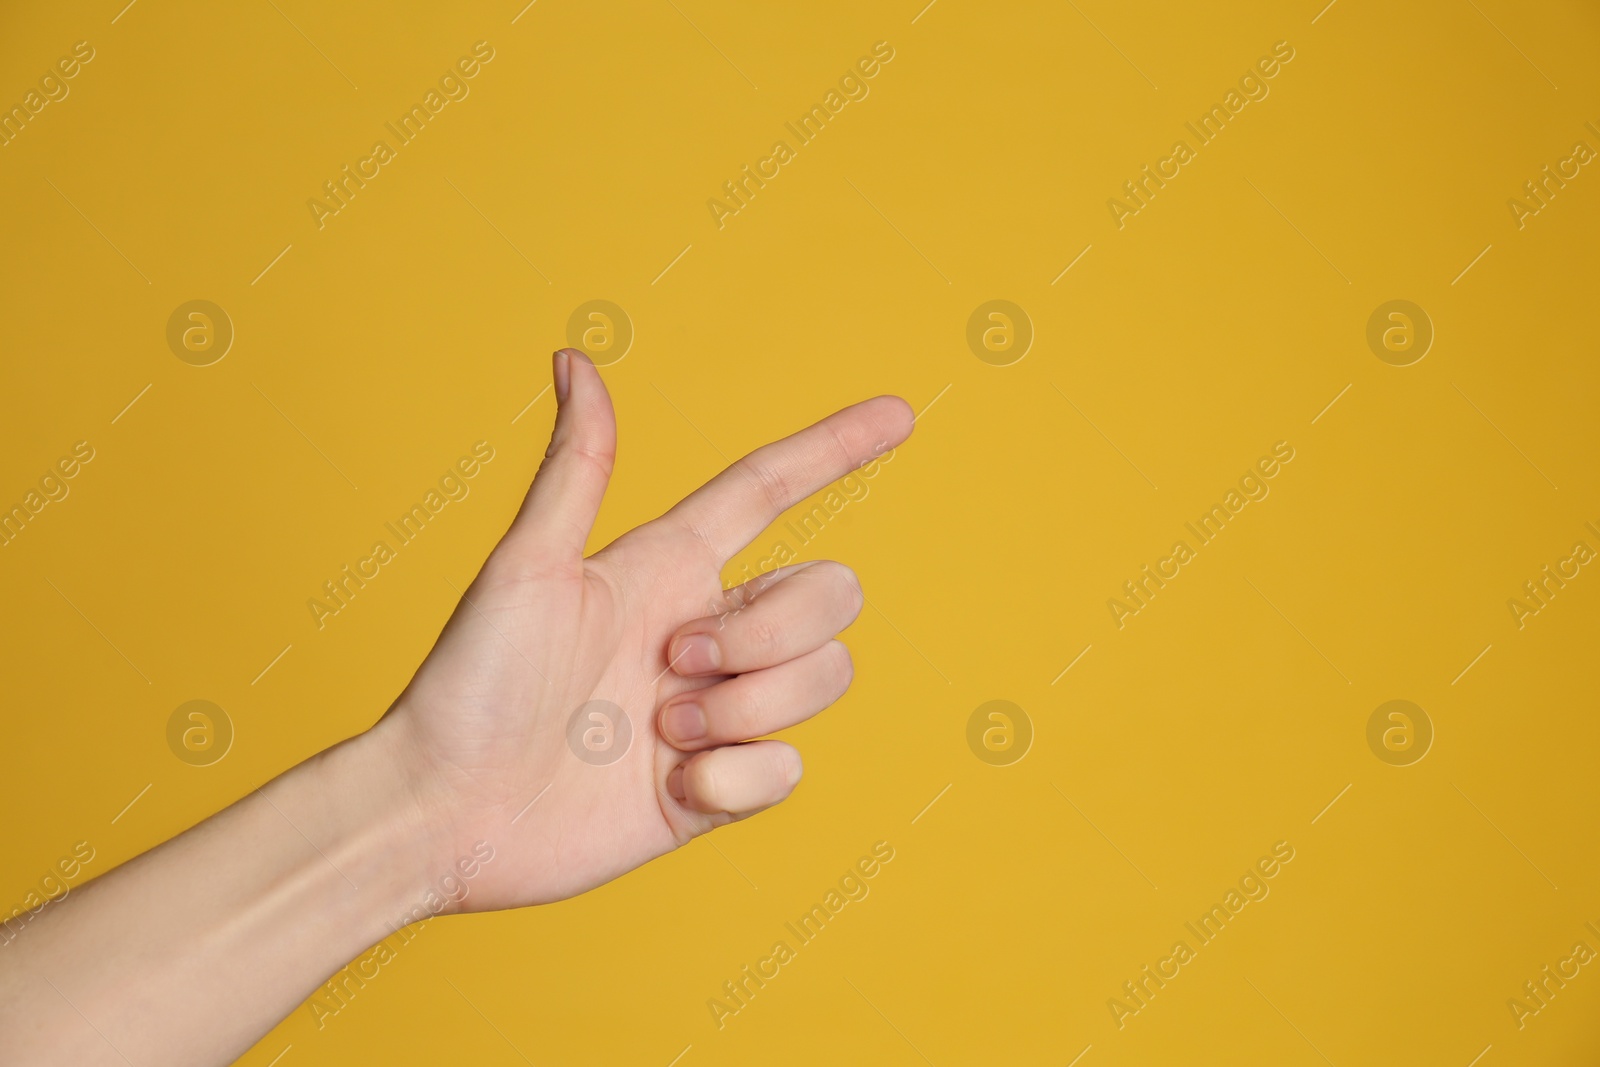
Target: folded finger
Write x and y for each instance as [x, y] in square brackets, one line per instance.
[736, 780]
[760, 702]
[785, 619]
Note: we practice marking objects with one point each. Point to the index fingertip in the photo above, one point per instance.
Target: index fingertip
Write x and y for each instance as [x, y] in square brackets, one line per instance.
[903, 415]
[892, 417]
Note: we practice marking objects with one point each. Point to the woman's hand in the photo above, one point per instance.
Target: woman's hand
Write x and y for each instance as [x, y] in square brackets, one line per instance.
[578, 716]
[583, 716]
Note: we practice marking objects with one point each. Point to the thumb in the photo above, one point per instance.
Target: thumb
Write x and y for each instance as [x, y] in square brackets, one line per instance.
[560, 508]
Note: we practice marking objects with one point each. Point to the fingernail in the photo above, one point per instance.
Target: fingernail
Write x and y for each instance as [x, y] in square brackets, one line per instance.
[683, 723]
[696, 654]
[675, 783]
[562, 373]
[797, 768]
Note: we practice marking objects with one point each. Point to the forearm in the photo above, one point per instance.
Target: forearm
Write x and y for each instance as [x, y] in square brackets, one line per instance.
[235, 921]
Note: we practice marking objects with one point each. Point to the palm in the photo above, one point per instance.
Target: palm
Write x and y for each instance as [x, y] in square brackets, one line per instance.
[544, 637]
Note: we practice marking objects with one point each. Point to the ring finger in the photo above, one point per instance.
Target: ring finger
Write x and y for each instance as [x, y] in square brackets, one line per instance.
[758, 703]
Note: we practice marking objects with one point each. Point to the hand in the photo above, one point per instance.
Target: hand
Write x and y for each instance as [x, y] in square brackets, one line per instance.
[644, 625]
[323, 861]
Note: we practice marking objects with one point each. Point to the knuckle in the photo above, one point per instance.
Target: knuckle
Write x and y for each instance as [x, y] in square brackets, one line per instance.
[774, 484]
[697, 533]
[737, 713]
[846, 456]
[763, 635]
[601, 458]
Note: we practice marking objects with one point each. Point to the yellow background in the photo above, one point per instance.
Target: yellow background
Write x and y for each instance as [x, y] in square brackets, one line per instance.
[1224, 317]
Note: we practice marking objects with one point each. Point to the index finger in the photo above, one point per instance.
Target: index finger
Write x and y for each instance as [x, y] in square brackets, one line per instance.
[731, 509]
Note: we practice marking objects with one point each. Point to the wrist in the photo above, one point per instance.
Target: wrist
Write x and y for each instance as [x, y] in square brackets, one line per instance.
[451, 828]
[386, 837]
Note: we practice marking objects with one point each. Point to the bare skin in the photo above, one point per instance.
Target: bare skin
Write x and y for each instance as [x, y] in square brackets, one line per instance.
[188, 954]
